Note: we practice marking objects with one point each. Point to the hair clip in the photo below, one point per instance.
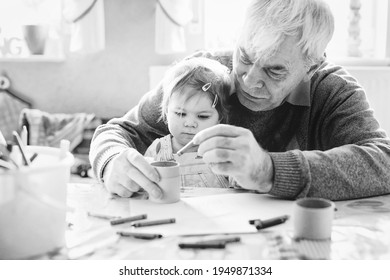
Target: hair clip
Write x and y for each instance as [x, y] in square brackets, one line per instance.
[206, 86]
[215, 101]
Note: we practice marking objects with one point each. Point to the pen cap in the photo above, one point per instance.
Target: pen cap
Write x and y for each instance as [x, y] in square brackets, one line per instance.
[312, 218]
[169, 183]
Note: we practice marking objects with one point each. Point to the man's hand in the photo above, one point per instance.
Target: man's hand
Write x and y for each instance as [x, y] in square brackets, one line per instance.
[128, 172]
[233, 151]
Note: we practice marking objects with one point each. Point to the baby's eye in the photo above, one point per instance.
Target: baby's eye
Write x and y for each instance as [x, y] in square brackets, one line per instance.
[180, 114]
[203, 117]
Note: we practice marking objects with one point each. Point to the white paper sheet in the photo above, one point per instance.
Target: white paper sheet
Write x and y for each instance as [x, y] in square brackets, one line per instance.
[224, 213]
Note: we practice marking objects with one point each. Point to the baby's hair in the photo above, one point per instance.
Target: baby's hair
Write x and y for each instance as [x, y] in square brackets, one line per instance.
[195, 73]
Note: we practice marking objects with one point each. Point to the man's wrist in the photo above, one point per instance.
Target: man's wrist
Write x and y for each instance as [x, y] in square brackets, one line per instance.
[265, 177]
[261, 179]
[269, 182]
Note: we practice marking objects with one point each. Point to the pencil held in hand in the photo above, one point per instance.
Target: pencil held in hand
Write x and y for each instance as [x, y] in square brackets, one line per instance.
[185, 148]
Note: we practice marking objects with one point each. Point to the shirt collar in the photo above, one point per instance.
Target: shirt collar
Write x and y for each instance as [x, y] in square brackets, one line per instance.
[300, 96]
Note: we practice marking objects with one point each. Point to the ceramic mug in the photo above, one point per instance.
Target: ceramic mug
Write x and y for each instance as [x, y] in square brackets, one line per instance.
[169, 181]
[35, 36]
[313, 218]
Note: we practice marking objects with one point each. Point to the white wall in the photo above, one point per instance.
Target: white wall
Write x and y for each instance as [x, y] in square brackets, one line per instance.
[376, 82]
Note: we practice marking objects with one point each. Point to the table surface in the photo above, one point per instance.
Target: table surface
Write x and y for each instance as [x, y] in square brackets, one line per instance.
[361, 230]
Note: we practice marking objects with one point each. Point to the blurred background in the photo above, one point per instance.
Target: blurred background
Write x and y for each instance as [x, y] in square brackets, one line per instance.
[100, 56]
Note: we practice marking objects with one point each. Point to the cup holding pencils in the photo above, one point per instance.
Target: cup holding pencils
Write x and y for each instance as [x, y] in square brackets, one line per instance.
[33, 202]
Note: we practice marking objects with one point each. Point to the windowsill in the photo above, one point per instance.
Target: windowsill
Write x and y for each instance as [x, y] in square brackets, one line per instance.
[360, 61]
[34, 58]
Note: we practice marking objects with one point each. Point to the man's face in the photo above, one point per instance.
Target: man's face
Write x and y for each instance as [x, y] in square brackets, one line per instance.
[263, 84]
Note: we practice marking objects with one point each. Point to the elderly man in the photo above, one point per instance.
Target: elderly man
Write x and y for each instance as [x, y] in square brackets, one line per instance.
[298, 125]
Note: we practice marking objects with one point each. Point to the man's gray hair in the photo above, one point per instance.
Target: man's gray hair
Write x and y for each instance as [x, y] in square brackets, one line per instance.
[268, 22]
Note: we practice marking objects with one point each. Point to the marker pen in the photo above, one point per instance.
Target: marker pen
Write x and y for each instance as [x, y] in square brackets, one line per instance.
[261, 224]
[154, 223]
[139, 235]
[128, 219]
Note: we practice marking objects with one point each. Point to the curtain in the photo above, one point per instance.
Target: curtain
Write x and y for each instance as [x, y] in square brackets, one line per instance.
[171, 18]
[88, 30]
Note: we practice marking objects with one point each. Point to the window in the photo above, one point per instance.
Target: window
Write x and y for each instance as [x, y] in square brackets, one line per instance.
[223, 19]
[361, 27]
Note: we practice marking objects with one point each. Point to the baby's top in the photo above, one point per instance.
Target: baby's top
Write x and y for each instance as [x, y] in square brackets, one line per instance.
[194, 171]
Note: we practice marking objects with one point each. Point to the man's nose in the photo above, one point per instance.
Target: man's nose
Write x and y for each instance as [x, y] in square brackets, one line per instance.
[253, 78]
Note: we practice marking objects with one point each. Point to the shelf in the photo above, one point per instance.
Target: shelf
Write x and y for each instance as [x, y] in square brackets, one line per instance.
[33, 58]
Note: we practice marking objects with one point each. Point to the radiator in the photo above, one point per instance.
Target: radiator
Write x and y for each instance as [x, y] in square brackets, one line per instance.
[375, 80]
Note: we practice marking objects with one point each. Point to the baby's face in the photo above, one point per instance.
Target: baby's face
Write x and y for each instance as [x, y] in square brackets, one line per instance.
[186, 117]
